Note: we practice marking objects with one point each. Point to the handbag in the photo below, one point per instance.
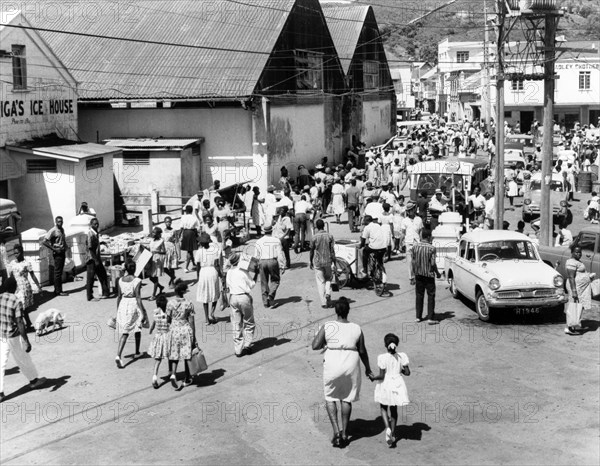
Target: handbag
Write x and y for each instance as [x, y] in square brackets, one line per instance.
[197, 362]
[112, 323]
[595, 285]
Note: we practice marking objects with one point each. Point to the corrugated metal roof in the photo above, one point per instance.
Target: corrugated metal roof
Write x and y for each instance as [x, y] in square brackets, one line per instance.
[345, 24]
[148, 143]
[245, 34]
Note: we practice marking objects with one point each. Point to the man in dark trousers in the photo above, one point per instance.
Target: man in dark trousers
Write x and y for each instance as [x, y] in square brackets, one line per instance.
[271, 265]
[95, 267]
[425, 270]
[56, 240]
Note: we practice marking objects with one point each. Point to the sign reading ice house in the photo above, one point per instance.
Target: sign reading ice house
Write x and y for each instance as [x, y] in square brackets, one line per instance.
[16, 109]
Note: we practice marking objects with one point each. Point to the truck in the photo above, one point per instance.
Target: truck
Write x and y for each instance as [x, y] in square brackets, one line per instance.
[589, 242]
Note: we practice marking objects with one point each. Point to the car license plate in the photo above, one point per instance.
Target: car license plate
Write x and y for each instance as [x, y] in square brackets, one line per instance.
[527, 310]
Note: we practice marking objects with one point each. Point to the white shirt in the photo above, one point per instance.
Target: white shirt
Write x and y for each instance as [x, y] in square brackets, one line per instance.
[374, 209]
[238, 281]
[375, 236]
[285, 202]
[478, 201]
[302, 207]
[412, 229]
[388, 197]
[269, 247]
[189, 222]
[564, 238]
[436, 205]
[489, 207]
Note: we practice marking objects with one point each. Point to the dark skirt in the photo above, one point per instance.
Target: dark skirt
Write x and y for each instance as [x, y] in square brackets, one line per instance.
[189, 240]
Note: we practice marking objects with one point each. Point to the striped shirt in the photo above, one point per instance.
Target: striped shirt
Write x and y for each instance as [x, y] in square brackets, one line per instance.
[423, 259]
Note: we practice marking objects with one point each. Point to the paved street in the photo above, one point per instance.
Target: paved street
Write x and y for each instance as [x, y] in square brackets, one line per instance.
[518, 391]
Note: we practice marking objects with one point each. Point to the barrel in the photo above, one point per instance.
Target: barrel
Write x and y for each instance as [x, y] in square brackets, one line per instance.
[543, 4]
[584, 180]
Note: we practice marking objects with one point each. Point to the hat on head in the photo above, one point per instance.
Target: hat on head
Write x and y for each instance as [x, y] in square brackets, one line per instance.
[234, 259]
[438, 191]
[267, 228]
[410, 205]
[319, 167]
[271, 189]
[306, 188]
[228, 243]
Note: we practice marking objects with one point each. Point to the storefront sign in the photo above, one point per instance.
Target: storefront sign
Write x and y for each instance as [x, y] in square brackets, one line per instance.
[577, 66]
[21, 108]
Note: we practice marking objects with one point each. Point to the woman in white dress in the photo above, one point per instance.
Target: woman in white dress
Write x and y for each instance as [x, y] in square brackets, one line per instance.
[337, 200]
[345, 348]
[208, 267]
[131, 315]
[390, 391]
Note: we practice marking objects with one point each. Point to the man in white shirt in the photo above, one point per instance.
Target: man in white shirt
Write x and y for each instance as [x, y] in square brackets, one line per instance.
[301, 210]
[373, 240]
[282, 229]
[271, 265]
[411, 228]
[285, 201]
[373, 209]
[436, 208]
[270, 205]
[477, 202]
[240, 286]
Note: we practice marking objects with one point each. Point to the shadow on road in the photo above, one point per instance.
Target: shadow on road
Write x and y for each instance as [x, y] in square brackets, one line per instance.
[54, 384]
[365, 428]
[589, 326]
[209, 378]
[269, 342]
[414, 432]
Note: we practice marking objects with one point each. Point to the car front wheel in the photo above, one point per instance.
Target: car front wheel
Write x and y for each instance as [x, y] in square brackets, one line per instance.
[483, 309]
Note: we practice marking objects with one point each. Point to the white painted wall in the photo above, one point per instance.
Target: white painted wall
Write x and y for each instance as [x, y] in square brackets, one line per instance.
[376, 122]
[47, 81]
[227, 133]
[96, 187]
[297, 136]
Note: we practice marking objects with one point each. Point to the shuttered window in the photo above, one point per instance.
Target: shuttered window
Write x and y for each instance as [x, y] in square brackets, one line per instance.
[92, 164]
[137, 157]
[41, 166]
[19, 66]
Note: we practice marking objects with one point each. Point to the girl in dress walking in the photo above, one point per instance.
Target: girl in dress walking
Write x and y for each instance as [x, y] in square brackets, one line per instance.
[391, 391]
[159, 346]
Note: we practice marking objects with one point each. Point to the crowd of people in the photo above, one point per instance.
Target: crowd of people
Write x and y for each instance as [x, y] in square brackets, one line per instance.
[287, 217]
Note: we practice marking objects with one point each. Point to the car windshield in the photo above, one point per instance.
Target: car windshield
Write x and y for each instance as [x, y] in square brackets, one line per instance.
[432, 181]
[507, 250]
[536, 185]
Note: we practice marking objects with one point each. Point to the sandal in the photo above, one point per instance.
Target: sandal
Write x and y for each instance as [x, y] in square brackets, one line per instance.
[119, 362]
[336, 440]
[174, 382]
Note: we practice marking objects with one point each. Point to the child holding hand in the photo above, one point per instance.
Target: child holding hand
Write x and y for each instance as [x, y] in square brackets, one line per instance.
[390, 391]
[159, 347]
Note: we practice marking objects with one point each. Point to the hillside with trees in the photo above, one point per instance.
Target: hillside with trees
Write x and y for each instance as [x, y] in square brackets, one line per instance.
[462, 20]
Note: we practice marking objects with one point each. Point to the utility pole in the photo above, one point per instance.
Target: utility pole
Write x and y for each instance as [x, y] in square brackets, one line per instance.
[546, 214]
[499, 178]
[487, 102]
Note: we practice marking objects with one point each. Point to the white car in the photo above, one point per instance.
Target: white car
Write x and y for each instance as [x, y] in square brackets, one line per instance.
[498, 269]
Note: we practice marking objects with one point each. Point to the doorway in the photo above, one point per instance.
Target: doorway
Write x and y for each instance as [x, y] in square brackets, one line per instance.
[526, 121]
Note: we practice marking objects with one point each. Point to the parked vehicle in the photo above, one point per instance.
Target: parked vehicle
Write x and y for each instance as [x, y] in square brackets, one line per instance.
[532, 199]
[10, 235]
[499, 270]
[589, 242]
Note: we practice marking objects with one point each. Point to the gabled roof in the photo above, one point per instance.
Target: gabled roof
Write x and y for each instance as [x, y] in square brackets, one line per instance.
[345, 24]
[215, 49]
[171, 144]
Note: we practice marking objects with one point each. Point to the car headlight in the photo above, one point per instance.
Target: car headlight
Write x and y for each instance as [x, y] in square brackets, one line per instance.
[527, 201]
[494, 284]
[559, 281]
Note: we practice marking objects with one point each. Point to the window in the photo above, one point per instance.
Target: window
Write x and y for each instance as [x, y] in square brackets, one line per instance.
[41, 166]
[371, 74]
[138, 157]
[587, 242]
[309, 66]
[507, 114]
[517, 85]
[462, 57]
[584, 80]
[196, 149]
[462, 249]
[19, 66]
[92, 164]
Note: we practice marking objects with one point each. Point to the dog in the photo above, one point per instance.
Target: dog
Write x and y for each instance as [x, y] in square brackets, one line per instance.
[50, 317]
